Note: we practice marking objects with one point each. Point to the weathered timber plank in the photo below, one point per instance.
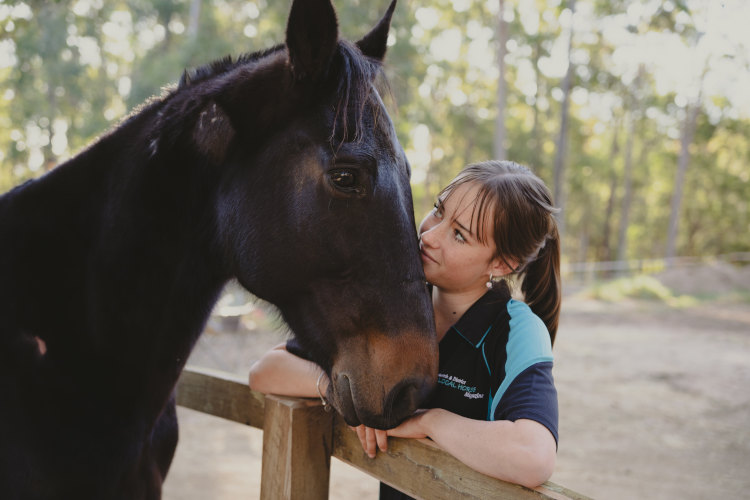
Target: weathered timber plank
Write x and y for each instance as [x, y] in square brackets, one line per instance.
[554, 490]
[421, 469]
[418, 467]
[220, 394]
[296, 450]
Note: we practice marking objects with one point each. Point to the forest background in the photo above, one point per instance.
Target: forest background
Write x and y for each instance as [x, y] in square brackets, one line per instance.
[635, 113]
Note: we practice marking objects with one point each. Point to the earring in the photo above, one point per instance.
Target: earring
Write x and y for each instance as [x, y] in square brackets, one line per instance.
[489, 282]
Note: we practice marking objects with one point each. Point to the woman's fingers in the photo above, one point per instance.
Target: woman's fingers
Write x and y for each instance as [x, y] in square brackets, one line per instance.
[371, 439]
[371, 442]
[382, 439]
[361, 431]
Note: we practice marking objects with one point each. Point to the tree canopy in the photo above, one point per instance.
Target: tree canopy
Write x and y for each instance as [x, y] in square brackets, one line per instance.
[657, 132]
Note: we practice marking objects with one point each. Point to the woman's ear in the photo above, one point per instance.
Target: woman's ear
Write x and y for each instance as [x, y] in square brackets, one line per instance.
[502, 267]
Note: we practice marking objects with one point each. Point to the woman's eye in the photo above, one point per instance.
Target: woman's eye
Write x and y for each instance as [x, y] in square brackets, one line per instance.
[438, 210]
[459, 237]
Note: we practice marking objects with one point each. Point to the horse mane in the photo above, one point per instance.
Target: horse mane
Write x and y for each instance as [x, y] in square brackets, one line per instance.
[357, 74]
[221, 66]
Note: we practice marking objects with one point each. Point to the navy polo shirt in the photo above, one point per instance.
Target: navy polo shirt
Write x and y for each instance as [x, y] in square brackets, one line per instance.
[495, 364]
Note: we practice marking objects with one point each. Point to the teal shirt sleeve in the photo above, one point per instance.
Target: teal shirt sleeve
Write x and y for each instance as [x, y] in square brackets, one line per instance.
[527, 390]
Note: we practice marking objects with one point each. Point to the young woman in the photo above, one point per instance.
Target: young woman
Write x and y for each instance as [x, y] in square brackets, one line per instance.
[495, 405]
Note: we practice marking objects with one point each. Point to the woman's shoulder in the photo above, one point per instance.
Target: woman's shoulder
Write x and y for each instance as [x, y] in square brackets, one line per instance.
[528, 338]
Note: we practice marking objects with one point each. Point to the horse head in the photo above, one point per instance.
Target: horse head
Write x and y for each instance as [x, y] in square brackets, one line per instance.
[315, 212]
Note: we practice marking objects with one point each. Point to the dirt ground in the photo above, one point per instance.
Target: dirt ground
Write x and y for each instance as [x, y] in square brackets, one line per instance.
[654, 403]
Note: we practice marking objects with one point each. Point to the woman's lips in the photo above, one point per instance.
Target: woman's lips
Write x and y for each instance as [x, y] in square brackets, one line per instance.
[426, 256]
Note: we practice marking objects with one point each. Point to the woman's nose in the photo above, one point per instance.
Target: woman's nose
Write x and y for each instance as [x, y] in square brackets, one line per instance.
[428, 237]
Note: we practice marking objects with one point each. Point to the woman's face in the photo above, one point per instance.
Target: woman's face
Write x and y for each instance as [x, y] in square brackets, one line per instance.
[452, 256]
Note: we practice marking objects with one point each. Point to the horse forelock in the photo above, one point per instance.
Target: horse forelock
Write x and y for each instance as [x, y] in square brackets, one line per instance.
[358, 77]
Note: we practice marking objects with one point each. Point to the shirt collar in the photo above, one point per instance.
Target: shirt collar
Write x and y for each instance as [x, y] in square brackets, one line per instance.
[477, 321]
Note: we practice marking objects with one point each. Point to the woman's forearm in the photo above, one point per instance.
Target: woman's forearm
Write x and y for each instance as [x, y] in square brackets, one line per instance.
[280, 372]
[522, 452]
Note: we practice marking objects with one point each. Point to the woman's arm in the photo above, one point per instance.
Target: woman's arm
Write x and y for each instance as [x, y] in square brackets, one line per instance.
[521, 452]
[280, 372]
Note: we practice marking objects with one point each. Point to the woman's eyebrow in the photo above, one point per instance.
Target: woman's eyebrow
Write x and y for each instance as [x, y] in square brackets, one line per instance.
[471, 233]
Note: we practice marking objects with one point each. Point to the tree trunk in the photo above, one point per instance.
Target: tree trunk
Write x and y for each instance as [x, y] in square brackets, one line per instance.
[50, 160]
[606, 248]
[627, 198]
[583, 241]
[195, 17]
[470, 132]
[691, 118]
[536, 143]
[431, 178]
[562, 139]
[502, 39]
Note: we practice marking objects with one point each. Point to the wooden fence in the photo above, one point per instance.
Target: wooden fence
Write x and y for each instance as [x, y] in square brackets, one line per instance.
[299, 439]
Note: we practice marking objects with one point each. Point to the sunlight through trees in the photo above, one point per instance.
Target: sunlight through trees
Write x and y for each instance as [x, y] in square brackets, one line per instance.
[635, 112]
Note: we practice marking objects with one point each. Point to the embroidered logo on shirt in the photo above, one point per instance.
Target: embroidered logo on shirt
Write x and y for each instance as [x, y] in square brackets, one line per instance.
[460, 385]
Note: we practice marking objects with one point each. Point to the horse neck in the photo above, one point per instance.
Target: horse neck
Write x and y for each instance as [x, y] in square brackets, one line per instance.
[110, 261]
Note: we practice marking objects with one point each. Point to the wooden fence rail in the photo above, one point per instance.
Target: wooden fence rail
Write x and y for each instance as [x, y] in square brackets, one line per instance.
[299, 439]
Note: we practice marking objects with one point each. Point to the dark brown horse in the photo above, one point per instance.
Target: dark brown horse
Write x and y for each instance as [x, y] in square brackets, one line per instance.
[281, 169]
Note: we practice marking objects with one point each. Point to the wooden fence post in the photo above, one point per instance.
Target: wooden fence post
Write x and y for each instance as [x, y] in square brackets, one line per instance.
[297, 444]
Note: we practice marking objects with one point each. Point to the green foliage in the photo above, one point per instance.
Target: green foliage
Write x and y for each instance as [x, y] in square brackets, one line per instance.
[641, 287]
[70, 69]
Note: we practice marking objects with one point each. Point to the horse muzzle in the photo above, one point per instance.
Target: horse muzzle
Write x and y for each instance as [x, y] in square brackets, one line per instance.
[381, 380]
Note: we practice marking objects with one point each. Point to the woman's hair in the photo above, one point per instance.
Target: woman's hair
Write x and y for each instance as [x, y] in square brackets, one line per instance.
[524, 229]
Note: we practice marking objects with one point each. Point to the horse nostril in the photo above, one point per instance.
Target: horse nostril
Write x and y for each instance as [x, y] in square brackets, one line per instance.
[406, 397]
[400, 403]
[346, 400]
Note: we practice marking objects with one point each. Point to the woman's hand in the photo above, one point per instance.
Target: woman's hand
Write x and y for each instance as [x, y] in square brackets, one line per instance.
[412, 427]
[521, 452]
[371, 439]
[376, 439]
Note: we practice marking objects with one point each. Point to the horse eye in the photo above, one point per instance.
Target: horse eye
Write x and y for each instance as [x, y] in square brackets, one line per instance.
[345, 179]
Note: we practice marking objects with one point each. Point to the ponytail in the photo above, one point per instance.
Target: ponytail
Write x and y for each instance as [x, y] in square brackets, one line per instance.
[541, 283]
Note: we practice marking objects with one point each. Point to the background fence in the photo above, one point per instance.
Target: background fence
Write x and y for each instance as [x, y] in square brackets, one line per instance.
[583, 273]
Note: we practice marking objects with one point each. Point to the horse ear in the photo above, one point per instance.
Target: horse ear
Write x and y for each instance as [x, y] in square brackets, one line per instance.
[375, 42]
[213, 132]
[311, 37]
